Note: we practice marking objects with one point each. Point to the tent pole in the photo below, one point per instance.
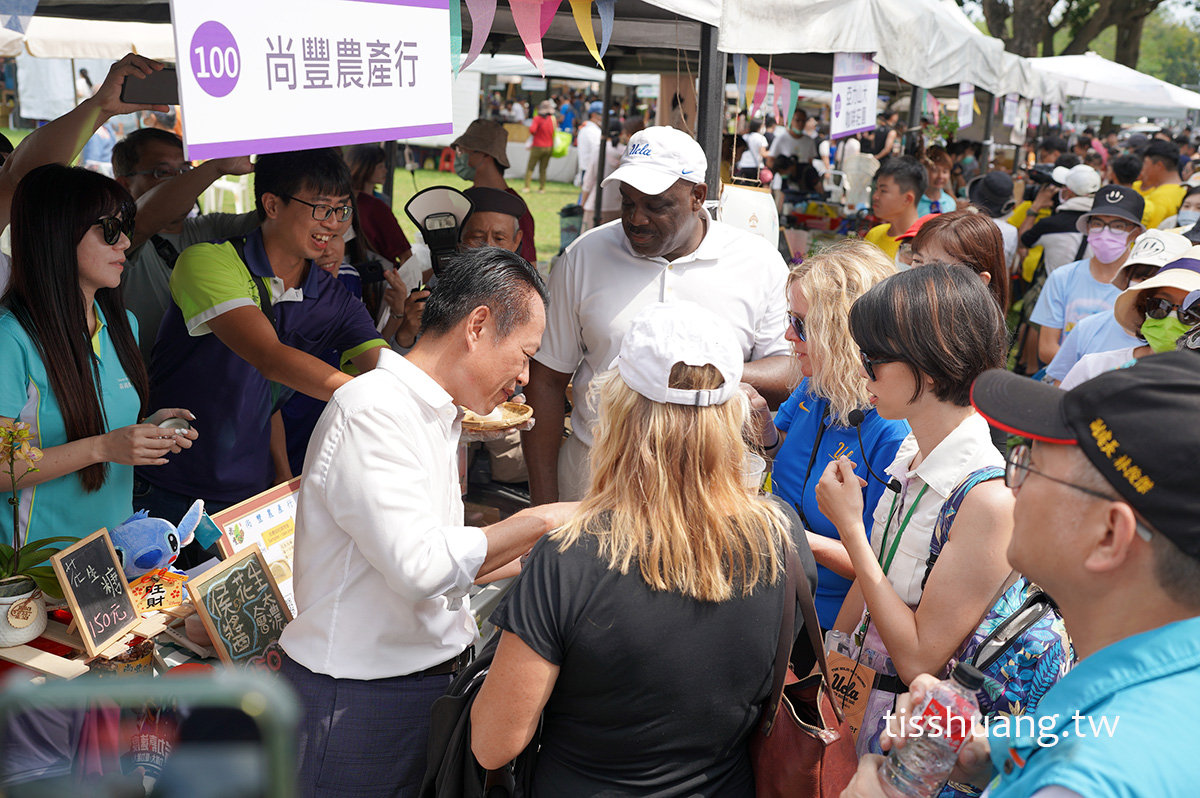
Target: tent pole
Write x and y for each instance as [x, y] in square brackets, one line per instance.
[914, 115]
[390, 149]
[710, 106]
[599, 190]
[989, 144]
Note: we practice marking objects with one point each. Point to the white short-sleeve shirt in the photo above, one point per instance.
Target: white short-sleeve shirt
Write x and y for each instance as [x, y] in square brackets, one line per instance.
[600, 284]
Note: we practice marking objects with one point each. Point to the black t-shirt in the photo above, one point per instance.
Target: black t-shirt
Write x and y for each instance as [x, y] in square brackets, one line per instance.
[657, 693]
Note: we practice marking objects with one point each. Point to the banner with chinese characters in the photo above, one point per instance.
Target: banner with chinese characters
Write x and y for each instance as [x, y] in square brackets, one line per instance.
[966, 104]
[855, 94]
[1010, 109]
[279, 75]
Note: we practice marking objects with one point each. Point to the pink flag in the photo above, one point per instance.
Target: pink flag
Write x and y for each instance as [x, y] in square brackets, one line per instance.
[777, 82]
[482, 13]
[527, 16]
[760, 91]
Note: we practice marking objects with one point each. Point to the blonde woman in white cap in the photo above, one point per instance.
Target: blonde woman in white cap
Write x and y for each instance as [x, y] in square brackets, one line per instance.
[1156, 312]
[642, 634]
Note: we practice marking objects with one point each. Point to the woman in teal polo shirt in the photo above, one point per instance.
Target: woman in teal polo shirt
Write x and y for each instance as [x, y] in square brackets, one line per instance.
[69, 362]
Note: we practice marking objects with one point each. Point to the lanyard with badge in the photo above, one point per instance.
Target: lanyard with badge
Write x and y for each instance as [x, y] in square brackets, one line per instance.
[886, 555]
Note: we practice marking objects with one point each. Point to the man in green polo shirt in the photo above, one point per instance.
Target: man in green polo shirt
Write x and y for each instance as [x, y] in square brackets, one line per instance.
[249, 319]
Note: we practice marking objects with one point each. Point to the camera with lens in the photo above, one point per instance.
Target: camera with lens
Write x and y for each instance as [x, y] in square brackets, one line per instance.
[439, 213]
[1040, 174]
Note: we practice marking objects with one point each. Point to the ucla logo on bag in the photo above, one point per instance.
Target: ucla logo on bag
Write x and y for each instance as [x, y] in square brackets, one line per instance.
[640, 149]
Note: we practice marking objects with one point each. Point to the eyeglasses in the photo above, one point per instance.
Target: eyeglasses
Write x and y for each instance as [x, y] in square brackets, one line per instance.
[112, 227]
[164, 172]
[1159, 308]
[322, 212]
[1095, 226]
[1017, 468]
[798, 326]
[869, 363]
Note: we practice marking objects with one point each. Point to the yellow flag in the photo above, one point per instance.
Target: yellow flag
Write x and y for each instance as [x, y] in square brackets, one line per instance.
[582, 10]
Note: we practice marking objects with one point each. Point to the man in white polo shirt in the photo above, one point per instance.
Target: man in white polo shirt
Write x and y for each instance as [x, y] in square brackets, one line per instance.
[665, 248]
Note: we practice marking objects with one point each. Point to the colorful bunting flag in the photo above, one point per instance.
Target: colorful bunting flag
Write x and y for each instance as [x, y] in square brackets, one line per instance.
[777, 82]
[482, 13]
[752, 71]
[582, 11]
[740, 67]
[527, 16]
[760, 89]
[606, 9]
[794, 102]
[455, 35]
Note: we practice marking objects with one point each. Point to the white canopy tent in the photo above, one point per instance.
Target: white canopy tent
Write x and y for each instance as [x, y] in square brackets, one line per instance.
[928, 43]
[519, 65]
[1101, 87]
[54, 37]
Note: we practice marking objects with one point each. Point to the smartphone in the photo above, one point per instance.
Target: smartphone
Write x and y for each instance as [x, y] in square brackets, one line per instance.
[370, 271]
[157, 88]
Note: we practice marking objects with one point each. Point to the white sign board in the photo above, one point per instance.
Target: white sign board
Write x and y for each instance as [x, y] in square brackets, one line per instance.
[1021, 126]
[1054, 120]
[279, 75]
[966, 104]
[855, 94]
[1010, 109]
[533, 84]
[1035, 114]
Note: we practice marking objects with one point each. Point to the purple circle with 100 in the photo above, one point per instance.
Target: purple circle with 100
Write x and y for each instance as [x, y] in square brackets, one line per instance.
[216, 62]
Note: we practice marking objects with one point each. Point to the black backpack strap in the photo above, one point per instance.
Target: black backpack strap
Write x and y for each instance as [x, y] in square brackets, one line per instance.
[166, 250]
[264, 296]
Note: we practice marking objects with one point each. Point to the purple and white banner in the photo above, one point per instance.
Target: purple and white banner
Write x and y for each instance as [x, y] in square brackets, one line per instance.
[1035, 114]
[278, 75]
[966, 104]
[855, 94]
[1010, 109]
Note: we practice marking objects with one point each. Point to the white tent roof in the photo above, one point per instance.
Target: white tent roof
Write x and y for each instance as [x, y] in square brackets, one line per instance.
[55, 37]
[928, 43]
[519, 65]
[1104, 85]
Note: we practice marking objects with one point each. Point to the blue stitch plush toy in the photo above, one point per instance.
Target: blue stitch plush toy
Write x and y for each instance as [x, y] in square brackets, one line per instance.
[145, 544]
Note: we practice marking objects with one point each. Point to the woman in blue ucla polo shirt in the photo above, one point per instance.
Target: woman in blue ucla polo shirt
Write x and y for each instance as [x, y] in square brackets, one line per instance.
[814, 424]
[69, 362]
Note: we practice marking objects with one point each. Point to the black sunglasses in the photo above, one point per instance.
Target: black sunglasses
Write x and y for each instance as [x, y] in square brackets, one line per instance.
[870, 363]
[798, 326]
[1159, 308]
[113, 226]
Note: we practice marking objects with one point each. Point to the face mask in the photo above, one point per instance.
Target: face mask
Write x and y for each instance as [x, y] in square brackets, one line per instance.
[1188, 218]
[462, 168]
[1108, 246]
[1162, 334]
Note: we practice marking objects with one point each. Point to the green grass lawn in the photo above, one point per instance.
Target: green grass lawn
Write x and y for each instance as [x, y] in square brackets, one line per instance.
[544, 207]
[14, 136]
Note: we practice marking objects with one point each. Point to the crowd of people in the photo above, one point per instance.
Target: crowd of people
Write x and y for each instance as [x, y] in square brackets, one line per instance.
[918, 488]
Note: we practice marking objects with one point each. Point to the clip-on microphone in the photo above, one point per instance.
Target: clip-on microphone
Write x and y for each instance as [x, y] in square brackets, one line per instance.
[856, 418]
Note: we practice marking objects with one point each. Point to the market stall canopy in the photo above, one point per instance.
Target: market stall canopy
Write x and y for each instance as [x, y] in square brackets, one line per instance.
[1104, 87]
[54, 37]
[519, 65]
[927, 43]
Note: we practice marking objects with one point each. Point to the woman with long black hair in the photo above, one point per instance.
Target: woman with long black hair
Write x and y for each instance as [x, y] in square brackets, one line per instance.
[69, 361]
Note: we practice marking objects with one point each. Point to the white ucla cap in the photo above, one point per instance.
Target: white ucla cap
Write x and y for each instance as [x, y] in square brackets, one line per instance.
[680, 332]
[658, 156]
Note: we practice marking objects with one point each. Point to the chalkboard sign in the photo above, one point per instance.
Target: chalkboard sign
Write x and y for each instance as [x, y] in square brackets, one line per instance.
[241, 607]
[95, 588]
[268, 519]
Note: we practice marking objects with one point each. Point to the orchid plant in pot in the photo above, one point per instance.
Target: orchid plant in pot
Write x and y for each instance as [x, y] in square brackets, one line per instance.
[24, 574]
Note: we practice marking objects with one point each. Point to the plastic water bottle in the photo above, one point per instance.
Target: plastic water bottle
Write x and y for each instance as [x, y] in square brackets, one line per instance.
[938, 730]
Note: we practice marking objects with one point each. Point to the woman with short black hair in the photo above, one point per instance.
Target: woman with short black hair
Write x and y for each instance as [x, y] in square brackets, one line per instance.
[924, 336]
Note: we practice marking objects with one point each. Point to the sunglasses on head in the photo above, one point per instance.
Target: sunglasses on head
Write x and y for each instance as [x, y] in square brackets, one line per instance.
[798, 326]
[869, 363]
[1159, 308]
[113, 226]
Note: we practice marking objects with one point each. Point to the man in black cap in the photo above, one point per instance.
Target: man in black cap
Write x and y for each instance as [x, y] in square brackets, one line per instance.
[1105, 521]
[496, 221]
[993, 194]
[1084, 287]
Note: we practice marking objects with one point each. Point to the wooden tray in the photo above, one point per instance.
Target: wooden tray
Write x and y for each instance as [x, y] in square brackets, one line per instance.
[514, 415]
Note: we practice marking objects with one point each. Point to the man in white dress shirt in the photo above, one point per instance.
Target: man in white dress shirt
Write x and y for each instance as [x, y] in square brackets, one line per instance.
[383, 560]
[664, 248]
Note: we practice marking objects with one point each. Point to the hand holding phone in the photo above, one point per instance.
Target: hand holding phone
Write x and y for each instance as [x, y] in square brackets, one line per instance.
[157, 88]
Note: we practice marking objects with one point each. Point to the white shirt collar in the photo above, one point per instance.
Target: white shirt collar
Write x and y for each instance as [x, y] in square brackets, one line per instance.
[422, 386]
[943, 467]
[708, 249]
